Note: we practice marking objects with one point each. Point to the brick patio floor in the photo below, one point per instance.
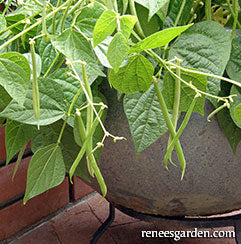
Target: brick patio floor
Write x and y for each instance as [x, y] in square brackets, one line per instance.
[77, 224]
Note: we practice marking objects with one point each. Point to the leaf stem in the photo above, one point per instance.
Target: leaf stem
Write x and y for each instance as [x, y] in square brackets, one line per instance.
[32, 26]
[52, 64]
[233, 14]
[180, 13]
[217, 110]
[133, 12]
[6, 7]
[235, 9]
[208, 10]
[54, 18]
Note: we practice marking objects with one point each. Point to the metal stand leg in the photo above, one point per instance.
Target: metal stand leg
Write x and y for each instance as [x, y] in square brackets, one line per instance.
[237, 229]
[104, 226]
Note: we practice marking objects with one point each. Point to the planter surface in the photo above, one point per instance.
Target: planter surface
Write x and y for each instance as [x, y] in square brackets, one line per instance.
[212, 182]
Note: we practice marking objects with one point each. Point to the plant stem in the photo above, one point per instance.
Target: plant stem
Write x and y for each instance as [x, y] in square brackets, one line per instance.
[34, 25]
[233, 14]
[138, 25]
[20, 22]
[180, 13]
[6, 7]
[68, 115]
[205, 74]
[170, 126]
[51, 66]
[64, 17]
[208, 10]
[54, 18]
[235, 9]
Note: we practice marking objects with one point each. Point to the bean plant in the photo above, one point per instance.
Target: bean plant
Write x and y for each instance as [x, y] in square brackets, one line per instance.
[163, 57]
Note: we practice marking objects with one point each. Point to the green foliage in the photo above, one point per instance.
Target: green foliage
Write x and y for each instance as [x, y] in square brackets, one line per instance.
[135, 76]
[145, 118]
[46, 170]
[15, 75]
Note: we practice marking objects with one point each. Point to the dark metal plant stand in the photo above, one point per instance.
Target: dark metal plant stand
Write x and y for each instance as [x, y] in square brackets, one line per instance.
[198, 222]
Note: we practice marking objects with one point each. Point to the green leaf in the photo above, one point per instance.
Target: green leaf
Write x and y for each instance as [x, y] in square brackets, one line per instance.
[46, 170]
[15, 75]
[135, 76]
[234, 64]
[230, 130]
[4, 99]
[153, 5]
[205, 46]
[38, 63]
[159, 39]
[49, 134]
[187, 94]
[87, 19]
[145, 118]
[52, 106]
[17, 136]
[104, 27]
[235, 105]
[117, 51]
[75, 47]
[127, 23]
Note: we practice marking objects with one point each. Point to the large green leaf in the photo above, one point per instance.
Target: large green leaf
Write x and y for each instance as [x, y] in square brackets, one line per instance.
[52, 105]
[104, 27]
[75, 47]
[205, 46]
[135, 76]
[15, 75]
[159, 39]
[234, 64]
[145, 118]
[187, 94]
[87, 19]
[117, 51]
[46, 170]
[229, 128]
[49, 135]
[153, 5]
[235, 105]
[127, 23]
[17, 136]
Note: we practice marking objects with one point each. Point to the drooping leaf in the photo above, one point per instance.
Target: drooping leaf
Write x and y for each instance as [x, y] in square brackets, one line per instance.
[17, 136]
[145, 118]
[104, 27]
[75, 47]
[187, 94]
[117, 51]
[49, 134]
[87, 19]
[15, 75]
[234, 64]
[52, 106]
[153, 5]
[205, 46]
[135, 76]
[235, 105]
[159, 39]
[38, 62]
[127, 23]
[46, 170]
[229, 128]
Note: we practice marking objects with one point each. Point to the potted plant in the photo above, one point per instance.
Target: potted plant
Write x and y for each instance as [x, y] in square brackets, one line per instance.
[162, 57]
